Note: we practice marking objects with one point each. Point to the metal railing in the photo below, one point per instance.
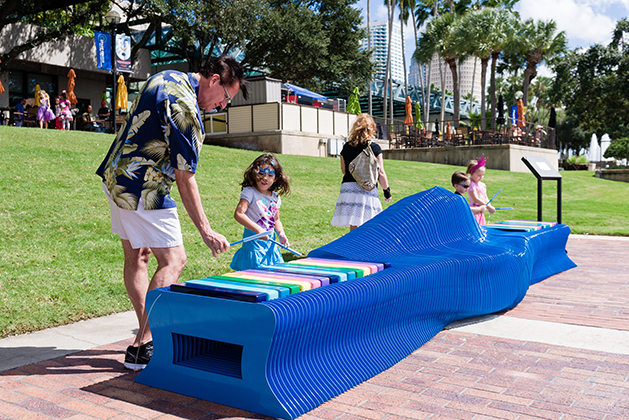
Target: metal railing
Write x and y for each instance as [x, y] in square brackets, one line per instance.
[436, 134]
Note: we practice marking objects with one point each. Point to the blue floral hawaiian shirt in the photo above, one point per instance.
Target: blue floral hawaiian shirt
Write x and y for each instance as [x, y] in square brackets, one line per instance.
[162, 131]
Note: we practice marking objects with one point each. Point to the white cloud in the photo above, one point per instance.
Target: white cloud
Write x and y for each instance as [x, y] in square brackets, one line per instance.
[584, 21]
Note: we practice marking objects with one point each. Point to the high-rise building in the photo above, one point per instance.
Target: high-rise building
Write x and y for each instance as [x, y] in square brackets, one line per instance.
[379, 43]
[414, 74]
[466, 76]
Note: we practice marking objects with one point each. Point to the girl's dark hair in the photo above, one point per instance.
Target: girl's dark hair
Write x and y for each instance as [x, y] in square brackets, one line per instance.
[281, 184]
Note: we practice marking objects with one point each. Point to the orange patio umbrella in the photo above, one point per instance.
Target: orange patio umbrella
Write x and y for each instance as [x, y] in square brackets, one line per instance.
[409, 112]
[121, 94]
[1, 87]
[521, 118]
[70, 93]
[448, 130]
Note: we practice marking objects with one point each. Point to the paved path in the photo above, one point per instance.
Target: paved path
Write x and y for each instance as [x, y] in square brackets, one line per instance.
[563, 353]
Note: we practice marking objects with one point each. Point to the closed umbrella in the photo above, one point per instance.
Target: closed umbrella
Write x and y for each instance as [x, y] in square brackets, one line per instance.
[552, 124]
[552, 120]
[121, 94]
[353, 105]
[37, 89]
[70, 94]
[408, 121]
[500, 120]
[418, 116]
[521, 117]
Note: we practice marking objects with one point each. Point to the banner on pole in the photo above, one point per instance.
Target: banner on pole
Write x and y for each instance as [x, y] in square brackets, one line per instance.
[123, 53]
[103, 50]
[514, 114]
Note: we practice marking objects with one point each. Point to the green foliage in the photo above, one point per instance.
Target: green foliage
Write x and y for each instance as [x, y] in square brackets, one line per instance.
[593, 85]
[571, 136]
[618, 149]
[201, 30]
[312, 44]
[578, 160]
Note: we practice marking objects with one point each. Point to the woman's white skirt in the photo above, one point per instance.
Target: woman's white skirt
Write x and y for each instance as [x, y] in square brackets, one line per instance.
[355, 206]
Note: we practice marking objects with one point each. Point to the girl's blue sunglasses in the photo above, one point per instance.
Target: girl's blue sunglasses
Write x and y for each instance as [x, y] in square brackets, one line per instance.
[264, 171]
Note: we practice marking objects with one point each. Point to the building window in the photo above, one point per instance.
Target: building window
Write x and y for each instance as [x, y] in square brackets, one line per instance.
[22, 85]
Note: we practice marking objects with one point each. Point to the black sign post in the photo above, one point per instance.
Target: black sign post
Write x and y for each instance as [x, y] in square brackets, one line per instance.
[544, 171]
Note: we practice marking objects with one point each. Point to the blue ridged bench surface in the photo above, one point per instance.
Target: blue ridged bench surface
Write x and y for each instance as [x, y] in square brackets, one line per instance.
[286, 356]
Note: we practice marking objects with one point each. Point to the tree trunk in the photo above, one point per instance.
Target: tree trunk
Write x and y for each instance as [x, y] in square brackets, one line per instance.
[403, 54]
[443, 92]
[455, 88]
[534, 59]
[369, 47]
[473, 80]
[387, 68]
[421, 72]
[492, 88]
[483, 99]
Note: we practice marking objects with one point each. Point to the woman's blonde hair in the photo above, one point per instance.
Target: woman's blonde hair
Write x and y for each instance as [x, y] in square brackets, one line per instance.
[363, 130]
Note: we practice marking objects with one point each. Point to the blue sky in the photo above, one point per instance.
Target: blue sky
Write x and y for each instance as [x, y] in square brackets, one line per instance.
[586, 22]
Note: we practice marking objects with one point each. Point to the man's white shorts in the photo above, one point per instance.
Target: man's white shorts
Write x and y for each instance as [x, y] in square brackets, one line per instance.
[146, 228]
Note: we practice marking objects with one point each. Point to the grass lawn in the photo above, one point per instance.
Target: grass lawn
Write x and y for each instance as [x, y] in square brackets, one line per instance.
[60, 263]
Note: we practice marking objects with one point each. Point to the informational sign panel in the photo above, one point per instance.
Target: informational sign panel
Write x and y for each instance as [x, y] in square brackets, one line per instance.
[123, 53]
[541, 168]
[103, 50]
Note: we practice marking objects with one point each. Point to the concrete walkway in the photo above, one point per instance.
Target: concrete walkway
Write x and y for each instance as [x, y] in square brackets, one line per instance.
[562, 353]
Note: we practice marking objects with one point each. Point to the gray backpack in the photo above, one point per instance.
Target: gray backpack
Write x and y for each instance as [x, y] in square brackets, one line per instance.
[365, 168]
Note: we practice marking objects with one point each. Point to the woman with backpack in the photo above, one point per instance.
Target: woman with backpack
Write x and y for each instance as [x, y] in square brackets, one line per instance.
[363, 169]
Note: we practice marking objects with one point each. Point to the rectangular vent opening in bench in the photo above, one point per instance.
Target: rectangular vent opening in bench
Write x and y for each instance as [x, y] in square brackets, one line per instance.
[207, 355]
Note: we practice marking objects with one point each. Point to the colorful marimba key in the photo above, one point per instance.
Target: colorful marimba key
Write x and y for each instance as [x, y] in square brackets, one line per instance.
[520, 225]
[275, 282]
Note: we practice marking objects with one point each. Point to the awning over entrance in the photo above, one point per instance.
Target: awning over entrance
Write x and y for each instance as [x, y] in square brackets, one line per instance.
[303, 91]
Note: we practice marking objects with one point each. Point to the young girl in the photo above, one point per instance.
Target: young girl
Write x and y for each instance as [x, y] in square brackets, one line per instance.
[259, 211]
[44, 113]
[478, 190]
[58, 122]
[65, 114]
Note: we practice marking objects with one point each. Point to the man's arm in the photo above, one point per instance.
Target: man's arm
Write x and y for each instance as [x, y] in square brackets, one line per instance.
[189, 191]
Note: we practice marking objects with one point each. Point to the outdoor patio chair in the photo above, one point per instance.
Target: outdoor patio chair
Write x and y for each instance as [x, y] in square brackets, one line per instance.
[425, 139]
[30, 118]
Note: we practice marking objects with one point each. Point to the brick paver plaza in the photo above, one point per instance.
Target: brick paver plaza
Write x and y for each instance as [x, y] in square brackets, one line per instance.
[456, 375]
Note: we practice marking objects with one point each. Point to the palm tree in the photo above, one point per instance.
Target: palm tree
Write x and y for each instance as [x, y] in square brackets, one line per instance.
[484, 33]
[423, 11]
[404, 13]
[439, 39]
[540, 42]
[387, 71]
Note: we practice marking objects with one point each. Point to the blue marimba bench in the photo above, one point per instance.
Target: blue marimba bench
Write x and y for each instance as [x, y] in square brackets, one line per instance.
[281, 341]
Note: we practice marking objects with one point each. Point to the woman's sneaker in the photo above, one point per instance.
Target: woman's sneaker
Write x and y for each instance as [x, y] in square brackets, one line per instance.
[136, 358]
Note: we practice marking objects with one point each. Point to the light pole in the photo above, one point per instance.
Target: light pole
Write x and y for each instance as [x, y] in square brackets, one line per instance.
[113, 18]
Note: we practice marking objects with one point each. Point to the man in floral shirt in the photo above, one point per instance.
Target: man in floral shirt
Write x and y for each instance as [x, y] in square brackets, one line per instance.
[158, 144]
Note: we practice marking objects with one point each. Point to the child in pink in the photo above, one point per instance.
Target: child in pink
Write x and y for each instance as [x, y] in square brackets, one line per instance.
[478, 190]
